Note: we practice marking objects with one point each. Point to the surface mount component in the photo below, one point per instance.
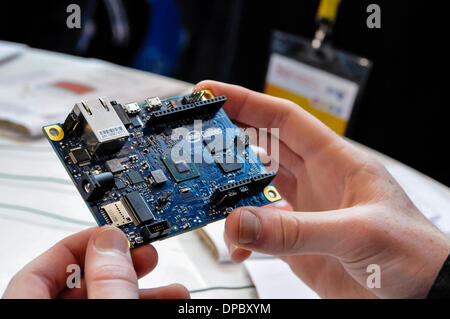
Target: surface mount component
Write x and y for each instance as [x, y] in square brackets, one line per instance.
[79, 156]
[138, 208]
[116, 214]
[132, 108]
[154, 103]
[124, 161]
[114, 166]
[229, 167]
[158, 177]
[134, 177]
[180, 170]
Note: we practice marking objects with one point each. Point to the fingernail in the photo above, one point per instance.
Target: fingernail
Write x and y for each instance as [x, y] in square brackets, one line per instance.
[110, 240]
[249, 227]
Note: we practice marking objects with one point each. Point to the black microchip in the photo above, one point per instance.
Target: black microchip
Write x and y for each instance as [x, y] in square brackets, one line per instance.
[79, 155]
[136, 121]
[159, 177]
[181, 167]
[120, 183]
[180, 170]
[139, 208]
[114, 166]
[216, 143]
[213, 149]
[230, 167]
[134, 177]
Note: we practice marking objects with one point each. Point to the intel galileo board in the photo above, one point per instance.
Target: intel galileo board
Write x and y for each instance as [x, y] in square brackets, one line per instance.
[125, 161]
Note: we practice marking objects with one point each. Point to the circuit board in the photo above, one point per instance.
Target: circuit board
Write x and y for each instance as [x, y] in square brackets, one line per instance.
[160, 167]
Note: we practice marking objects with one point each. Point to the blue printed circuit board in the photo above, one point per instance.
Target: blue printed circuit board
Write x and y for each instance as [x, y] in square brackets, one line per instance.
[158, 168]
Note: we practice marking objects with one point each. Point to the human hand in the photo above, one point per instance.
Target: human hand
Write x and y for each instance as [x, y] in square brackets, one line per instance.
[110, 269]
[350, 212]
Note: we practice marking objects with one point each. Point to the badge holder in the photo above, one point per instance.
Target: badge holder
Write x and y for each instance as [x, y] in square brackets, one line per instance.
[325, 81]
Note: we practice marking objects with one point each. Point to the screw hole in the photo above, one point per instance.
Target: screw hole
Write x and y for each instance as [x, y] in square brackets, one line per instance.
[53, 132]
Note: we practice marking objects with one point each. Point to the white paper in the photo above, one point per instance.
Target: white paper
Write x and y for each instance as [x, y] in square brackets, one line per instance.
[274, 279]
[9, 50]
[33, 98]
[431, 200]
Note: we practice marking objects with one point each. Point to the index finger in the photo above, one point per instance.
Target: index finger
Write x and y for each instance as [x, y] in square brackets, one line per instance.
[298, 129]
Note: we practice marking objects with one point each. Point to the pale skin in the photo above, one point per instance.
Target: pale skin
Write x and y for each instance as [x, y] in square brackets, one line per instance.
[110, 270]
[349, 213]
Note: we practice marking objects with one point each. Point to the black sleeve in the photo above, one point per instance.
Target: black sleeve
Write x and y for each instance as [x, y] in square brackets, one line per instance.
[441, 286]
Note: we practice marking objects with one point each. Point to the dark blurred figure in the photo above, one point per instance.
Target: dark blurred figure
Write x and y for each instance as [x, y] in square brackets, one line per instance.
[110, 29]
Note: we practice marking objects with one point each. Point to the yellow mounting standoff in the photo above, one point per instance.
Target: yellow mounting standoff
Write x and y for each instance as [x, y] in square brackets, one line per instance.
[271, 193]
[54, 132]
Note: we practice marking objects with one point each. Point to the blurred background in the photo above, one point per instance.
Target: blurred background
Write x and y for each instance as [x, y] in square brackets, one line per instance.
[401, 112]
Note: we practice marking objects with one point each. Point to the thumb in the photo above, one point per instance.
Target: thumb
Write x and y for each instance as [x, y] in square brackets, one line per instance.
[109, 270]
[278, 232]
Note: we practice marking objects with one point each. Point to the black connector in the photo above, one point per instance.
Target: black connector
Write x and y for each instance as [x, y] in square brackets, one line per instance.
[156, 230]
[138, 208]
[211, 106]
[122, 114]
[230, 193]
[262, 180]
[94, 186]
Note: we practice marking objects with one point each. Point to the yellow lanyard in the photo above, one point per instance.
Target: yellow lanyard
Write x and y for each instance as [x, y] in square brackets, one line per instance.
[328, 9]
[326, 15]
